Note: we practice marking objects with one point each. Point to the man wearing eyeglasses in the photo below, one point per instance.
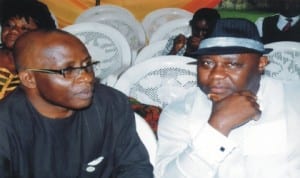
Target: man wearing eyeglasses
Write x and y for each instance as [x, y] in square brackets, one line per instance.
[60, 123]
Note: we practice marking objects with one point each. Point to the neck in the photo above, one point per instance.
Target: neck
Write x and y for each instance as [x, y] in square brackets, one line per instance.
[48, 109]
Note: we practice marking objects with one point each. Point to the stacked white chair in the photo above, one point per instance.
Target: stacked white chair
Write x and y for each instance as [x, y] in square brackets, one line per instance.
[151, 50]
[105, 44]
[147, 136]
[120, 19]
[159, 80]
[153, 20]
[284, 61]
[172, 28]
[285, 66]
[103, 10]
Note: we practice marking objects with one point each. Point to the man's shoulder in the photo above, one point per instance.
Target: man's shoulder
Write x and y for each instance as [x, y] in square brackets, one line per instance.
[107, 95]
[185, 104]
[10, 106]
[104, 90]
[273, 17]
[14, 100]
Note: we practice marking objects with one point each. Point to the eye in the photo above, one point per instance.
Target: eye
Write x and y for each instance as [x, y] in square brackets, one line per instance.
[206, 63]
[8, 25]
[67, 71]
[25, 28]
[234, 64]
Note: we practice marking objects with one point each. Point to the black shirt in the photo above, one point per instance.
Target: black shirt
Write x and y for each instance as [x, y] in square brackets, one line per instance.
[99, 141]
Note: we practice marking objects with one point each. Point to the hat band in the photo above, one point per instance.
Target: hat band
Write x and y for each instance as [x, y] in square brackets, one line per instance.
[230, 41]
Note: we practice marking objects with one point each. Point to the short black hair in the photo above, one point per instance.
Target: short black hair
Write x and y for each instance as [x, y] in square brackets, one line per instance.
[36, 10]
[209, 14]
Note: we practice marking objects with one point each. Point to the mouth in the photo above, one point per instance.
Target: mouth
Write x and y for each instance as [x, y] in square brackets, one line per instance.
[218, 90]
[85, 94]
[11, 38]
[216, 93]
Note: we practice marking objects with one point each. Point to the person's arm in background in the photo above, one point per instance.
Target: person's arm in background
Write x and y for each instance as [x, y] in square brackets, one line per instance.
[176, 45]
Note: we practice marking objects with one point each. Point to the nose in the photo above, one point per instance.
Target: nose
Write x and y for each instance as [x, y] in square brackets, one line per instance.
[86, 76]
[16, 29]
[218, 72]
[202, 34]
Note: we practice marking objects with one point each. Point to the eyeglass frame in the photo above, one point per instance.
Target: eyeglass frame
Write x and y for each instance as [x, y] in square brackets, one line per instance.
[63, 71]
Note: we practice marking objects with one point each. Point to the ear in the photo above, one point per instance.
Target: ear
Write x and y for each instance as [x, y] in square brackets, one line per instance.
[27, 79]
[263, 62]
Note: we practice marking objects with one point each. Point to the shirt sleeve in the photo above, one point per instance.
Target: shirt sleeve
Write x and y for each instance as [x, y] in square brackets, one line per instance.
[182, 155]
[293, 113]
[131, 156]
[4, 154]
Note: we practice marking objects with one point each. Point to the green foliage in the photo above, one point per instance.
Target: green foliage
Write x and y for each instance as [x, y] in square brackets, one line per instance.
[248, 14]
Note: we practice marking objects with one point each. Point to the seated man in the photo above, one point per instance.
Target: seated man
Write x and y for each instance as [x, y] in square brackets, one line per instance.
[283, 26]
[60, 123]
[239, 124]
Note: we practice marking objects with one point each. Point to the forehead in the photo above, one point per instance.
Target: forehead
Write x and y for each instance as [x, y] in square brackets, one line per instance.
[245, 57]
[59, 50]
[201, 22]
[21, 19]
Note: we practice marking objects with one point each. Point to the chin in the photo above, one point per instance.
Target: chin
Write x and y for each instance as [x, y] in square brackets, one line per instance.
[82, 104]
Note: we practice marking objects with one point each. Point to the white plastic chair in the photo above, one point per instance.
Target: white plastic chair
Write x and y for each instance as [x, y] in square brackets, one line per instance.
[120, 19]
[284, 61]
[159, 80]
[151, 50]
[153, 20]
[170, 29]
[103, 10]
[147, 136]
[105, 44]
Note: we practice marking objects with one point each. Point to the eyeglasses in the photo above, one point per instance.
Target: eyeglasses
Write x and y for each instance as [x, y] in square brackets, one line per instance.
[69, 72]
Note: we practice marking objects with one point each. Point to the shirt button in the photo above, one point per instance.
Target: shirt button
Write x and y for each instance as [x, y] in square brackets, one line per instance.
[222, 149]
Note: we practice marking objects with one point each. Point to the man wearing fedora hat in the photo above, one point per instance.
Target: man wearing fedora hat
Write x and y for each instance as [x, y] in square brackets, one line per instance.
[240, 124]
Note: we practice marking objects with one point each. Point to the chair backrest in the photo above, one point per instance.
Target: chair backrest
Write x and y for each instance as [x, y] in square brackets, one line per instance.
[120, 19]
[172, 28]
[105, 44]
[103, 10]
[284, 61]
[153, 20]
[151, 50]
[159, 80]
[147, 136]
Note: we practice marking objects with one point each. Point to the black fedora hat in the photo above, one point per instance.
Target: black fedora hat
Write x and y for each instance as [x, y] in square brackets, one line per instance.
[232, 36]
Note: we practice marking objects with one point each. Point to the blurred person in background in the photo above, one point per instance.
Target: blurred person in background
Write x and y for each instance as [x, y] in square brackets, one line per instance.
[284, 25]
[201, 24]
[17, 18]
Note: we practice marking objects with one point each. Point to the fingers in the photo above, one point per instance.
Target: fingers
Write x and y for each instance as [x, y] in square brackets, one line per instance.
[213, 97]
[253, 100]
[248, 94]
[243, 99]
